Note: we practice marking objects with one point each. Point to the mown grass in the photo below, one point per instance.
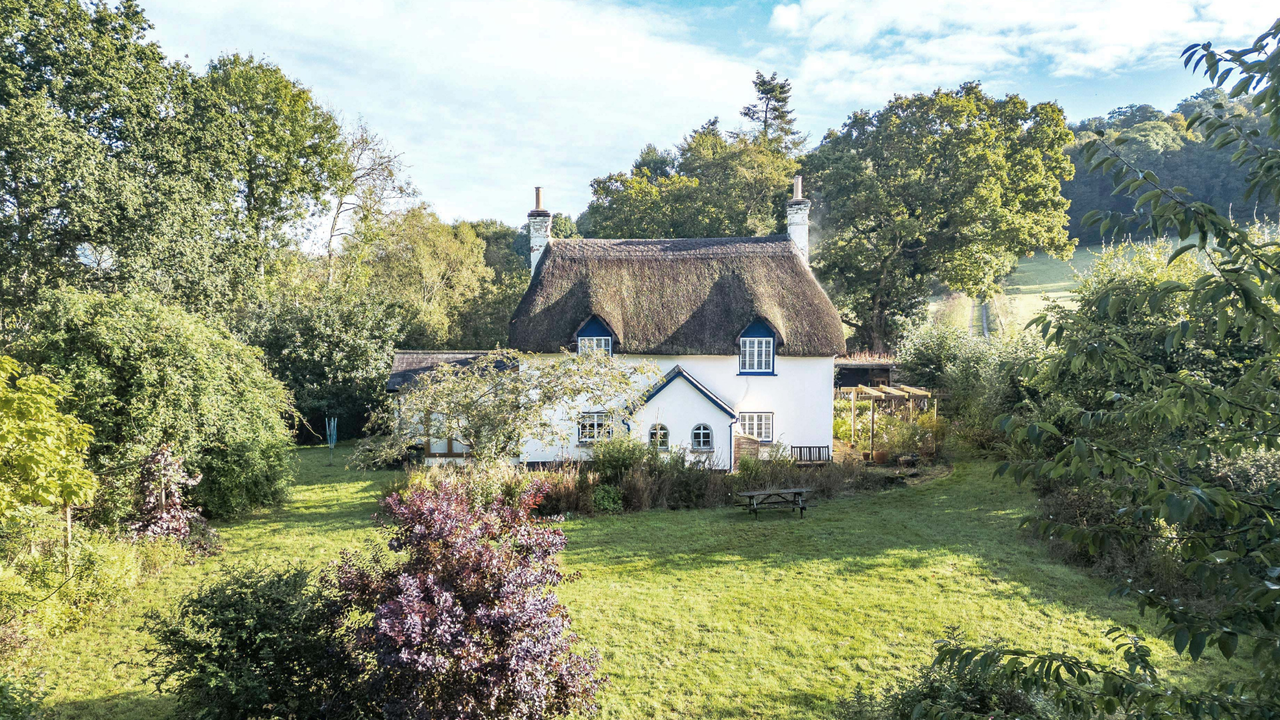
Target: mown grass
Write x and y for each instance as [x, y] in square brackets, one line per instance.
[703, 613]
[1036, 281]
[99, 672]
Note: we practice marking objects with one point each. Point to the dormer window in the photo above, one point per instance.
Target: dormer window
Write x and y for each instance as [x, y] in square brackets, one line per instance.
[755, 350]
[595, 336]
[589, 344]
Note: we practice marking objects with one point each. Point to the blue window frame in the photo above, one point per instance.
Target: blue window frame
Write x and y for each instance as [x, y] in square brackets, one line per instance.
[756, 350]
[594, 335]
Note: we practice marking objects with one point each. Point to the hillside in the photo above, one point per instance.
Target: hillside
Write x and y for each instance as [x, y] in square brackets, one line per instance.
[1036, 281]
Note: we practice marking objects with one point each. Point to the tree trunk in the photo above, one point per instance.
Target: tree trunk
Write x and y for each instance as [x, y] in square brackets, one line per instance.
[66, 542]
[333, 232]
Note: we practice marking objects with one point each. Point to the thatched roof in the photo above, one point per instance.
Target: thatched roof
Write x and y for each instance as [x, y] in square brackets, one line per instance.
[409, 364]
[676, 297]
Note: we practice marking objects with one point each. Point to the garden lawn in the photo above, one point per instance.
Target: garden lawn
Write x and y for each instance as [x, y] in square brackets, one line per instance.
[99, 672]
[705, 613]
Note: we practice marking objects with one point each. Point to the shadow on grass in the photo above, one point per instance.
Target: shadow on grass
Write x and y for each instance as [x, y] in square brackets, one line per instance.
[966, 517]
[134, 705]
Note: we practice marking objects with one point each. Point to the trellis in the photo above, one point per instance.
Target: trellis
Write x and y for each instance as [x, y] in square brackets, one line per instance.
[889, 394]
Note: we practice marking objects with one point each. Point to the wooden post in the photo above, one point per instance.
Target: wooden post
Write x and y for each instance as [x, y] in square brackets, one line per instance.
[853, 419]
[873, 429]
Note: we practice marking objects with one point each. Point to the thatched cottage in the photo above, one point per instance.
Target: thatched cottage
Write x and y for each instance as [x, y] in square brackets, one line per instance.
[745, 336]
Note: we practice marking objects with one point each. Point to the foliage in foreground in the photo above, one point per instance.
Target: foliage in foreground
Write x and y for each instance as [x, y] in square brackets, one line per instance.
[143, 374]
[1225, 535]
[42, 450]
[963, 689]
[259, 642]
[454, 618]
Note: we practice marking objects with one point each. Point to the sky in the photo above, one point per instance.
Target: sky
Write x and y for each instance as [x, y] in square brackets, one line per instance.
[487, 98]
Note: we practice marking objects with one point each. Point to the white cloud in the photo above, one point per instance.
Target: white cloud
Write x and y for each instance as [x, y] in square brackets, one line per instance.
[866, 50]
[486, 98]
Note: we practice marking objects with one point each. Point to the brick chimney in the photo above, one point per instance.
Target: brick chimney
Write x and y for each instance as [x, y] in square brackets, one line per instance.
[798, 220]
[539, 229]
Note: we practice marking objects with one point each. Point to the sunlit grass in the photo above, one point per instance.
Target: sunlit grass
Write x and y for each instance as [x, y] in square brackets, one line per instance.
[704, 613]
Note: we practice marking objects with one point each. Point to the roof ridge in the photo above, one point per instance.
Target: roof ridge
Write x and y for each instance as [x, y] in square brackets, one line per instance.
[772, 238]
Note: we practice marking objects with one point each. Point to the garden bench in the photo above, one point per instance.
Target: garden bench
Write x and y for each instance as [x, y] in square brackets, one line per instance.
[763, 499]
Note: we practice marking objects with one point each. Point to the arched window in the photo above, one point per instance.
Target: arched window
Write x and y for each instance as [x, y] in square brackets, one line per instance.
[702, 437]
[659, 437]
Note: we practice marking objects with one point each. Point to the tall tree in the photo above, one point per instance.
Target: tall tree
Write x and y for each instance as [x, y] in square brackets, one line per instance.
[1223, 535]
[429, 270]
[950, 187]
[375, 180]
[289, 149]
[715, 184]
[124, 171]
[771, 113]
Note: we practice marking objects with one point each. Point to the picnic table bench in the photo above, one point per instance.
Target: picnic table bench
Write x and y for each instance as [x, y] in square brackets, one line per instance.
[787, 497]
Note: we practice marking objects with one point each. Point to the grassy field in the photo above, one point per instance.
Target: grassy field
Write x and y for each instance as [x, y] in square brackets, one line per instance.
[700, 613]
[1036, 280]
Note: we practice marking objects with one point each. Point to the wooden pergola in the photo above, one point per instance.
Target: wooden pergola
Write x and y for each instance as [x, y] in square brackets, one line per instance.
[895, 394]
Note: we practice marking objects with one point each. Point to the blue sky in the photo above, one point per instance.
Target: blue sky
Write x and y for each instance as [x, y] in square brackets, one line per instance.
[487, 98]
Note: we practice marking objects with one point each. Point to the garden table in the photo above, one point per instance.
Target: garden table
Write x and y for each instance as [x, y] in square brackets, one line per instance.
[786, 498]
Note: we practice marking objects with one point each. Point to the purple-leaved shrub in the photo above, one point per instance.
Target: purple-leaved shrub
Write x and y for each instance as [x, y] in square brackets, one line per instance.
[466, 626]
[160, 511]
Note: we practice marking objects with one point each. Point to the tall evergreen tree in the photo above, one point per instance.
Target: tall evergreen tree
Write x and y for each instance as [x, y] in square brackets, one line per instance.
[771, 113]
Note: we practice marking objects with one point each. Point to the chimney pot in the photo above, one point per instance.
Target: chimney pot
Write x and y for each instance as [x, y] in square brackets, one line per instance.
[798, 220]
[539, 229]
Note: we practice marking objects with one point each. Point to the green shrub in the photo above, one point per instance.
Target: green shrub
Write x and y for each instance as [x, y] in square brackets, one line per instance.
[614, 458]
[841, 428]
[21, 698]
[33, 586]
[257, 643]
[979, 376]
[963, 692]
[607, 499]
[143, 374]
[484, 484]
[931, 351]
[331, 347]
[642, 490]
[903, 436]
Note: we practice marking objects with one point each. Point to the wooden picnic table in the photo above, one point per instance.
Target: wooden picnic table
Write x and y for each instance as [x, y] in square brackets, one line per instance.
[787, 497]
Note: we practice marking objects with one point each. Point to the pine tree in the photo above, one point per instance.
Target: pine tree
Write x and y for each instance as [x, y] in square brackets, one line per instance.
[772, 112]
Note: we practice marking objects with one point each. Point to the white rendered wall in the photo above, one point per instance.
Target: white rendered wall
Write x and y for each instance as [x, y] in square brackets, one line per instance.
[799, 396]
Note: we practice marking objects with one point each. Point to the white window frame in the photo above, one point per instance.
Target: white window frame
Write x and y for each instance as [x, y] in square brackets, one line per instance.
[693, 438]
[593, 427]
[758, 425]
[755, 355]
[660, 436]
[588, 344]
